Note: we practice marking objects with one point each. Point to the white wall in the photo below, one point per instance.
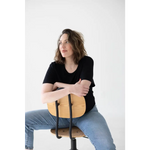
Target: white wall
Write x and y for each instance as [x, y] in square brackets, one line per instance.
[102, 23]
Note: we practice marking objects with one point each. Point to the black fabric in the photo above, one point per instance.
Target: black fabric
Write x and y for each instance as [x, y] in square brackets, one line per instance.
[57, 73]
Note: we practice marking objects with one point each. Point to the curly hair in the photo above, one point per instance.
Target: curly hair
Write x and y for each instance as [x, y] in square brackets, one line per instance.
[76, 40]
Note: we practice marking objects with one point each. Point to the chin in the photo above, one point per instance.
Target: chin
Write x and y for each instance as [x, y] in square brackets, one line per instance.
[64, 56]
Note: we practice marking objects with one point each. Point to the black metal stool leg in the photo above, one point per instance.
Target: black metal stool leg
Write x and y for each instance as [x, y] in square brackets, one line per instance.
[73, 140]
[73, 144]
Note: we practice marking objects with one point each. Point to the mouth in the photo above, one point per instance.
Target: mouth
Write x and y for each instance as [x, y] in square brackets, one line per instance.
[64, 51]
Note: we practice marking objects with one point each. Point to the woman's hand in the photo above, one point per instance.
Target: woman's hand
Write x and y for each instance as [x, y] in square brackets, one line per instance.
[80, 89]
[55, 86]
[50, 94]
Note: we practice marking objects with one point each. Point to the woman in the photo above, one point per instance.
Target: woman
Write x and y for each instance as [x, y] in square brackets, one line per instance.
[72, 70]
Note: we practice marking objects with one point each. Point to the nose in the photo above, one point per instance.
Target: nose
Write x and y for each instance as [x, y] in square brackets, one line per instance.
[63, 45]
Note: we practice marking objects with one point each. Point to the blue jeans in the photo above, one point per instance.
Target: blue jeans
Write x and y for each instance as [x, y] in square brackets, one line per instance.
[92, 124]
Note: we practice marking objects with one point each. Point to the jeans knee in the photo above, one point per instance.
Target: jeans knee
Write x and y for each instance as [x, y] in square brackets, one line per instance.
[106, 144]
[103, 144]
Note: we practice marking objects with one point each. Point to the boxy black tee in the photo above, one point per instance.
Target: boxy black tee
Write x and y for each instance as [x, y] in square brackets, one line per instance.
[57, 73]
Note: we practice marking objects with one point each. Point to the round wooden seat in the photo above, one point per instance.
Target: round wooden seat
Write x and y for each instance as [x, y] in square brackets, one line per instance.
[64, 132]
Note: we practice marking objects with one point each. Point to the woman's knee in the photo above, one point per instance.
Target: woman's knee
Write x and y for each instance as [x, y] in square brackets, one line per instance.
[102, 143]
[107, 144]
[96, 129]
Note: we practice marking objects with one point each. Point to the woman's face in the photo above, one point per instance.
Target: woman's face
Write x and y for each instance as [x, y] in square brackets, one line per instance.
[65, 47]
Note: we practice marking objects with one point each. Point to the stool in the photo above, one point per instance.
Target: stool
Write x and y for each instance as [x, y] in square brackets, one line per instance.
[70, 106]
[64, 132]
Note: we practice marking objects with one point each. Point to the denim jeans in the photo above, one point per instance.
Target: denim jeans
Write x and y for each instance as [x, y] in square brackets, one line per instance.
[92, 124]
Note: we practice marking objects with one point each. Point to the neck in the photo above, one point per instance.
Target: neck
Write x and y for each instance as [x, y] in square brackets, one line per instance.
[70, 65]
[69, 61]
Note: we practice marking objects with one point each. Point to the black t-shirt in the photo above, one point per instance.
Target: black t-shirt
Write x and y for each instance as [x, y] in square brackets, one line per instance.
[57, 73]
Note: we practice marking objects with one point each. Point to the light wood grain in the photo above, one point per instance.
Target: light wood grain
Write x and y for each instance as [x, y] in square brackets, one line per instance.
[76, 132]
[78, 107]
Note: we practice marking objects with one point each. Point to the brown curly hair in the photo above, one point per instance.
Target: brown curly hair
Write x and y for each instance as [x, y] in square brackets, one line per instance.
[76, 40]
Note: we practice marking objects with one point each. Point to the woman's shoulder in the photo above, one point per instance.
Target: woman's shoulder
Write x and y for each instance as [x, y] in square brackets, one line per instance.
[87, 59]
[55, 65]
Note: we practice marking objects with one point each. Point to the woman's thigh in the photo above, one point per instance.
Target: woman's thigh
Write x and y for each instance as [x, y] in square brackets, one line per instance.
[96, 129]
[42, 119]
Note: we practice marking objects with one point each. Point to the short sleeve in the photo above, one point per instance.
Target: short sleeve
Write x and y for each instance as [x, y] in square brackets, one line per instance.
[87, 69]
[50, 76]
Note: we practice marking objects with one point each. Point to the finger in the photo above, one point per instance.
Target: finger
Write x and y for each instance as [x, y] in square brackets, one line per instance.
[86, 86]
[86, 90]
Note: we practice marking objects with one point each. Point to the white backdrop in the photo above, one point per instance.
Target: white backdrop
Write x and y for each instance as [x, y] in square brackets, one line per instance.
[103, 26]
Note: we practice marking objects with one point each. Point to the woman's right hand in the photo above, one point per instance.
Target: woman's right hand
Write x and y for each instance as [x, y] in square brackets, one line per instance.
[80, 89]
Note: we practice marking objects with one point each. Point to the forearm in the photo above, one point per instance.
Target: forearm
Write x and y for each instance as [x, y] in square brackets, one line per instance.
[61, 85]
[52, 96]
[79, 89]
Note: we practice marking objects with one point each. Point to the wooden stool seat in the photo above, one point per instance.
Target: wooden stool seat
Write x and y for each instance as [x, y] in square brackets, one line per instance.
[64, 132]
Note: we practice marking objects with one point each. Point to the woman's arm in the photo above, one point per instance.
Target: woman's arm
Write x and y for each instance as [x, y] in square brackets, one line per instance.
[64, 85]
[80, 88]
[48, 95]
[60, 85]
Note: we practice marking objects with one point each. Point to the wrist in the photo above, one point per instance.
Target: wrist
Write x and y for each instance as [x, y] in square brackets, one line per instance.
[70, 88]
